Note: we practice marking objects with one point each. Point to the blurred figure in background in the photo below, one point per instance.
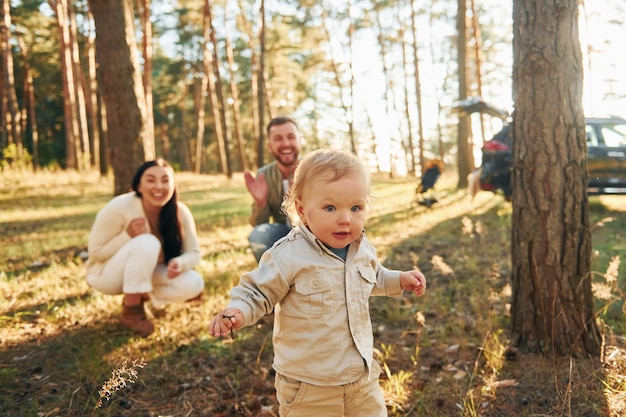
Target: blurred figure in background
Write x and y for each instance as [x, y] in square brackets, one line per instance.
[271, 184]
[432, 171]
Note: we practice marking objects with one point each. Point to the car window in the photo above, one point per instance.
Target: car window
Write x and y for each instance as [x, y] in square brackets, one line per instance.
[613, 138]
[592, 138]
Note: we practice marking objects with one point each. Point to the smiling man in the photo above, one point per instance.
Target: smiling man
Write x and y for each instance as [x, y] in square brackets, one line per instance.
[271, 184]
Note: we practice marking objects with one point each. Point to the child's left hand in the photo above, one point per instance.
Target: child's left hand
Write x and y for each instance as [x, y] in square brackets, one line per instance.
[413, 281]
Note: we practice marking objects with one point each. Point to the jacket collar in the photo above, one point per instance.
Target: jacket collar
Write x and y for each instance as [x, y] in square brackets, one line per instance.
[318, 245]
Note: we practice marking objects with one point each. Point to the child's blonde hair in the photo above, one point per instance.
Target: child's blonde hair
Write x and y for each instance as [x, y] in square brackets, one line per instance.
[322, 165]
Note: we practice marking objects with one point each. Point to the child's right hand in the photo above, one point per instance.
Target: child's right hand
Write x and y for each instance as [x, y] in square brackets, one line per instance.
[225, 322]
[414, 281]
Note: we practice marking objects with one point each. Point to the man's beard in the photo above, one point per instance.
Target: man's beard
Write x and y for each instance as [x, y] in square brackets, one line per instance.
[287, 160]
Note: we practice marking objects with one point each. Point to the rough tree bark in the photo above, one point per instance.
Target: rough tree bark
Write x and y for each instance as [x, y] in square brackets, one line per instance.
[552, 307]
[122, 88]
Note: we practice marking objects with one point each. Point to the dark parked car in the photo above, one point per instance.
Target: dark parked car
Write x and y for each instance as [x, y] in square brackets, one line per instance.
[606, 158]
[606, 155]
[606, 152]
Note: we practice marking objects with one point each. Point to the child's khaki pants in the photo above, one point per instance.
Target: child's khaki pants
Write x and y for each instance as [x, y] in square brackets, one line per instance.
[362, 398]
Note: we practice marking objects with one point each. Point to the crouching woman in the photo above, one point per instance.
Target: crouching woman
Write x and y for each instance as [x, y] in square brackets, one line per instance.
[144, 244]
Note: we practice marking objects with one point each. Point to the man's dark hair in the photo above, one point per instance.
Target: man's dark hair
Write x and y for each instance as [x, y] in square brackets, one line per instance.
[281, 120]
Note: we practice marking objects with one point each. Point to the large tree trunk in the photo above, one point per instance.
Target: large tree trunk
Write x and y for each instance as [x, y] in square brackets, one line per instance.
[552, 305]
[122, 88]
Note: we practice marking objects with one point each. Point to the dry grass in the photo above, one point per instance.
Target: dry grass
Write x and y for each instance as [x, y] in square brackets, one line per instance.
[445, 354]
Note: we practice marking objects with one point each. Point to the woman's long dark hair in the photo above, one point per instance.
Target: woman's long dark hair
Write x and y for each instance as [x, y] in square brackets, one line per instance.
[169, 225]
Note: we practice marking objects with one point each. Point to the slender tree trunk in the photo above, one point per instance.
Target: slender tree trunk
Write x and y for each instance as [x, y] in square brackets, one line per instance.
[91, 92]
[552, 308]
[410, 149]
[122, 87]
[246, 28]
[219, 107]
[83, 155]
[184, 147]
[217, 101]
[465, 152]
[269, 102]
[394, 132]
[165, 142]
[237, 129]
[383, 59]
[4, 46]
[29, 116]
[254, 72]
[374, 146]
[477, 55]
[439, 93]
[351, 133]
[200, 98]
[11, 122]
[146, 43]
[200, 88]
[261, 78]
[337, 73]
[418, 88]
[69, 90]
[105, 152]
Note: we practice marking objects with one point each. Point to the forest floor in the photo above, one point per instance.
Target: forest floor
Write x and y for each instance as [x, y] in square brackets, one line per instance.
[448, 353]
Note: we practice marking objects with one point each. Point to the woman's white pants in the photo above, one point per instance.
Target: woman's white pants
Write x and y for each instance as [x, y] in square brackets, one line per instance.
[134, 269]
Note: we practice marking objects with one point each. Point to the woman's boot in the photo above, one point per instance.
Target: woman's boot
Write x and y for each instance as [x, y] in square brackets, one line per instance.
[135, 319]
